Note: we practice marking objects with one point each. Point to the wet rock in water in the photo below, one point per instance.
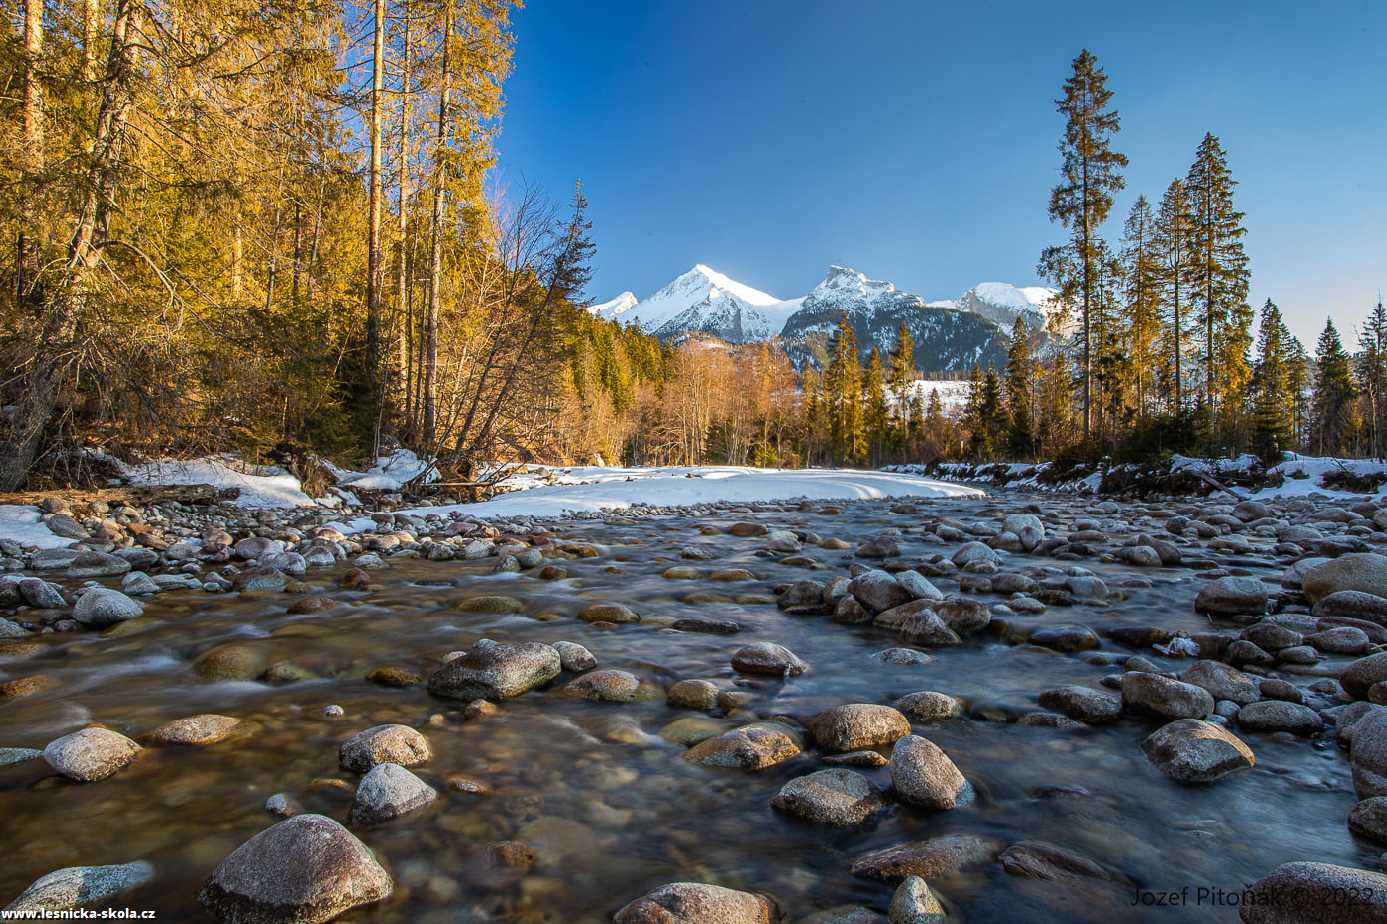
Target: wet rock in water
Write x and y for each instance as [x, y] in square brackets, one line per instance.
[283, 805]
[1369, 819]
[1275, 715]
[1367, 754]
[608, 612]
[389, 675]
[305, 870]
[869, 759]
[930, 859]
[919, 586]
[971, 552]
[1348, 640]
[90, 754]
[844, 914]
[196, 730]
[1353, 604]
[101, 606]
[260, 580]
[782, 540]
[1232, 596]
[1082, 703]
[914, 903]
[708, 626]
[1365, 572]
[90, 563]
[964, 616]
[690, 730]
[692, 694]
[1359, 676]
[1043, 860]
[232, 661]
[605, 686]
[698, 903]
[878, 591]
[878, 547]
[746, 529]
[491, 605]
[1068, 638]
[395, 744]
[387, 792]
[856, 726]
[751, 747]
[1222, 681]
[928, 706]
[1195, 751]
[769, 659]
[79, 887]
[1320, 892]
[903, 657]
[837, 797]
[574, 658]
[922, 774]
[1158, 695]
[31, 685]
[497, 671]
[10, 756]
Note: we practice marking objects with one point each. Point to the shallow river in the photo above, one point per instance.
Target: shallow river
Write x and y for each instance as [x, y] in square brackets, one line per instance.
[611, 808]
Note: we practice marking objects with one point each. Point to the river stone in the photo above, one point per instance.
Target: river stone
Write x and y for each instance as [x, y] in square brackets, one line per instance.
[929, 705]
[304, 870]
[90, 754]
[914, 903]
[971, 552]
[1232, 596]
[608, 612]
[1068, 638]
[1368, 752]
[40, 594]
[837, 797]
[574, 658]
[1354, 604]
[1027, 528]
[918, 624]
[964, 616]
[1348, 640]
[698, 903]
[1222, 681]
[1082, 703]
[90, 563]
[1369, 819]
[1363, 673]
[1043, 860]
[256, 547]
[1275, 715]
[79, 887]
[387, 792]
[692, 694]
[605, 686]
[923, 774]
[1195, 751]
[879, 591]
[490, 605]
[751, 747]
[844, 914]
[769, 659]
[102, 606]
[1362, 571]
[17, 755]
[261, 580]
[929, 859]
[1320, 892]
[497, 671]
[1158, 695]
[856, 726]
[919, 586]
[379, 744]
[195, 730]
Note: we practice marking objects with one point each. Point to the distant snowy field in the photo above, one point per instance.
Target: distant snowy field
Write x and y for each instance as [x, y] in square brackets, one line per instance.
[953, 396]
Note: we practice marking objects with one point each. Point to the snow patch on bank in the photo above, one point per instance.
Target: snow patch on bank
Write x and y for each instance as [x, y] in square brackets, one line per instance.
[262, 487]
[24, 525]
[590, 489]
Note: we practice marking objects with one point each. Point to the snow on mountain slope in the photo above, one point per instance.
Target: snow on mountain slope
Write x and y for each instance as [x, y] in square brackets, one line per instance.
[704, 300]
[616, 307]
[1002, 303]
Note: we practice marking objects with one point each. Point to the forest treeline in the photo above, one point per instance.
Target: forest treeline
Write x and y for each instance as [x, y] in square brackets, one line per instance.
[269, 229]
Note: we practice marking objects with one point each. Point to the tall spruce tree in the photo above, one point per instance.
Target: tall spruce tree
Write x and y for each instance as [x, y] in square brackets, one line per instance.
[1332, 405]
[876, 421]
[1272, 412]
[1174, 251]
[1219, 274]
[901, 366]
[1372, 376]
[1141, 304]
[843, 391]
[1020, 386]
[1091, 176]
[1297, 385]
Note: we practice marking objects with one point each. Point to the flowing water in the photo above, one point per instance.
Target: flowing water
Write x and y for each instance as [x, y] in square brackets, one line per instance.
[611, 809]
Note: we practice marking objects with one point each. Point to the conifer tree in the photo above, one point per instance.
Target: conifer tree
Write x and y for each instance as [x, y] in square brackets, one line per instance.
[843, 391]
[901, 364]
[1332, 405]
[1298, 373]
[936, 425]
[1091, 176]
[1174, 253]
[1372, 376]
[1141, 303]
[1020, 385]
[1219, 275]
[876, 423]
[1273, 415]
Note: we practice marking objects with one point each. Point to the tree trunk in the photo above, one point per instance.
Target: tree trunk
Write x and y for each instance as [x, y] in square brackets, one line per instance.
[91, 28]
[401, 324]
[375, 405]
[430, 358]
[32, 117]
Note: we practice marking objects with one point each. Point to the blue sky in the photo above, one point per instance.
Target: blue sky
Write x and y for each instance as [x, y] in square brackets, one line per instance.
[917, 141]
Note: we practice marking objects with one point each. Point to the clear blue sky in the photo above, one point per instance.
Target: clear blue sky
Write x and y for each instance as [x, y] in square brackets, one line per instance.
[916, 141]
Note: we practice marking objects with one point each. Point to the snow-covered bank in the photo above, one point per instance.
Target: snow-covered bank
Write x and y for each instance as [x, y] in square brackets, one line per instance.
[257, 486]
[24, 524]
[1296, 476]
[590, 489]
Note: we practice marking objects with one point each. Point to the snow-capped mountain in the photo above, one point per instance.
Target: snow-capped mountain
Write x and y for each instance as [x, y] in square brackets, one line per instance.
[1003, 303]
[946, 339]
[950, 335]
[705, 301]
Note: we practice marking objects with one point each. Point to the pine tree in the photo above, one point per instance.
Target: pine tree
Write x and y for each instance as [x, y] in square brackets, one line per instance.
[1334, 396]
[1174, 253]
[843, 390]
[936, 425]
[1080, 203]
[1141, 303]
[1273, 415]
[1372, 374]
[1298, 373]
[876, 422]
[1020, 385]
[1220, 275]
